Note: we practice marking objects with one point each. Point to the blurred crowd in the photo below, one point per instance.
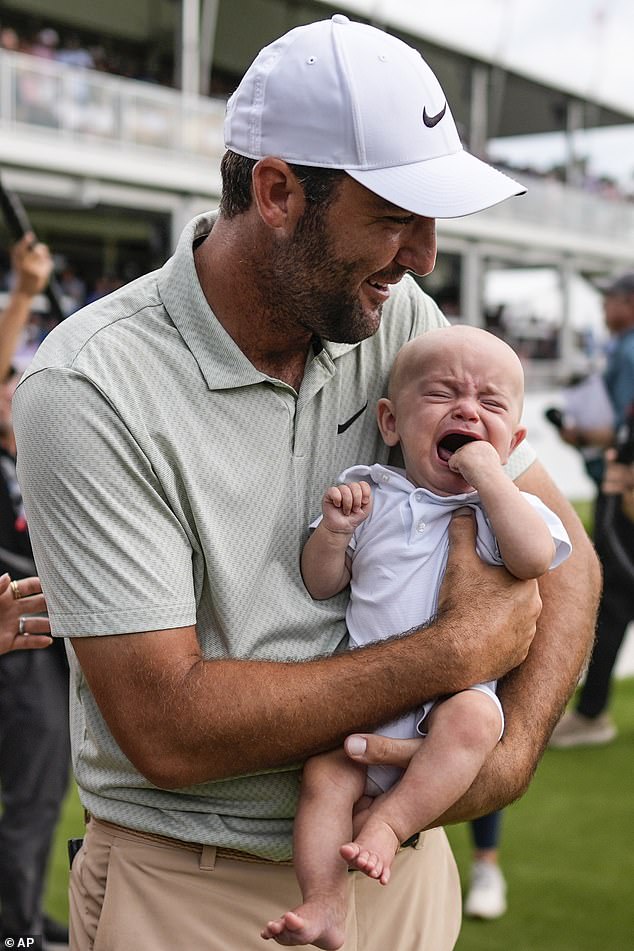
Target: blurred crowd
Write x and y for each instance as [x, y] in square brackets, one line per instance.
[75, 293]
[69, 47]
[111, 56]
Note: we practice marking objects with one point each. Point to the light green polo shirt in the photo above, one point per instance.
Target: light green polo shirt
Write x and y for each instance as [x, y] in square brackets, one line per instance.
[168, 482]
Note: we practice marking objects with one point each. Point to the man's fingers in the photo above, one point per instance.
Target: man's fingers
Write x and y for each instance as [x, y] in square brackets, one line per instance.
[370, 748]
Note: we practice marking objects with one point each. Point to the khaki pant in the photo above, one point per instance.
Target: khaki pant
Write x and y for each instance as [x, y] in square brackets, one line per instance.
[131, 892]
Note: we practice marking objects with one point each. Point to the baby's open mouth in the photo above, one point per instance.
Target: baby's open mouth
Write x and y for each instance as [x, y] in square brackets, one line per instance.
[451, 443]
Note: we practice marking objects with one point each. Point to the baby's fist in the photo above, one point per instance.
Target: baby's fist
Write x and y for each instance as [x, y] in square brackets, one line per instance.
[346, 506]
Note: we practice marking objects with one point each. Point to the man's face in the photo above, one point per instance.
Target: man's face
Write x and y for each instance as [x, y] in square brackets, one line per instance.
[619, 312]
[337, 268]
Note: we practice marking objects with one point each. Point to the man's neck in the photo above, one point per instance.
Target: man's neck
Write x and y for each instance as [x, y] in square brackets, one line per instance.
[225, 266]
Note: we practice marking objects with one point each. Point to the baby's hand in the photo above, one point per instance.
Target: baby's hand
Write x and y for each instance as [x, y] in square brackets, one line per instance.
[475, 461]
[346, 506]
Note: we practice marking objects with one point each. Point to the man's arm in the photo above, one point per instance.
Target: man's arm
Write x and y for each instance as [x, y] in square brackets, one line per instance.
[536, 692]
[183, 720]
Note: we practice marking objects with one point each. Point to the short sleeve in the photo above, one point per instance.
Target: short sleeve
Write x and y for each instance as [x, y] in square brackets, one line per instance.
[112, 556]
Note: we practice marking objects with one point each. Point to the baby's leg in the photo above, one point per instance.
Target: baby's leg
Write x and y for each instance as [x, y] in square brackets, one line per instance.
[329, 791]
[462, 731]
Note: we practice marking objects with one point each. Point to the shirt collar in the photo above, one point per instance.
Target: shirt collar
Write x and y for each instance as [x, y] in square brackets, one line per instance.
[222, 363]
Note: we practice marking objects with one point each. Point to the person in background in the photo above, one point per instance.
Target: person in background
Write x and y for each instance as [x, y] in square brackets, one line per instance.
[173, 442]
[21, 605]
[619, 480]
[486, 896]
[31, 264]
[589, 722]
[34, 733]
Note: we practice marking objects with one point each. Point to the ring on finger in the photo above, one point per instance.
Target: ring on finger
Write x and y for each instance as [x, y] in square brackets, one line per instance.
[21, 624]
[16, 590]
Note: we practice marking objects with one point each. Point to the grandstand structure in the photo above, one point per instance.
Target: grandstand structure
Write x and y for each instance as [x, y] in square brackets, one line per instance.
[110, 167]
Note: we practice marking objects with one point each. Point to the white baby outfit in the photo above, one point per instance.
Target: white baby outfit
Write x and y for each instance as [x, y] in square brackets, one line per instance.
[398, 558]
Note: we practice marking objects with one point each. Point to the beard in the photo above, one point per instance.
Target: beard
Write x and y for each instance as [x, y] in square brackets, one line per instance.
[305, 283]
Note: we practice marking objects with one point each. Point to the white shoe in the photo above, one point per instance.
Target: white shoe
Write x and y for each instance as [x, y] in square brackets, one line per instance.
[487, 893]
[576, 730]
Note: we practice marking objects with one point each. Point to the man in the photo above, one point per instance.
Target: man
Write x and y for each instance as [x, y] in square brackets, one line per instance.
[589, 723]
[186, 429]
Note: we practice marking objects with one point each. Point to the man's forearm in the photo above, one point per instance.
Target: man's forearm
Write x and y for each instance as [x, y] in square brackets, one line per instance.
[183, 720]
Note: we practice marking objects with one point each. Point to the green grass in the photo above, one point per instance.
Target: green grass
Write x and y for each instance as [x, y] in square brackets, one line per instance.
[584, 509]
[566, 852]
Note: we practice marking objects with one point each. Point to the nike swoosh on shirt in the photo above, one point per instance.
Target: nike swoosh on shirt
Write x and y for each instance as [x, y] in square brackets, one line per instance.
[431, 121]
[341, 428]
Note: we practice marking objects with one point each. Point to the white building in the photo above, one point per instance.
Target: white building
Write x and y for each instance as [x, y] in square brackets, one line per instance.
[111, 168]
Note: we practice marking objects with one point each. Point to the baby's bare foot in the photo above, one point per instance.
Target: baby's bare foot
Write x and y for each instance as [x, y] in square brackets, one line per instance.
[373, 850]
[319, 921]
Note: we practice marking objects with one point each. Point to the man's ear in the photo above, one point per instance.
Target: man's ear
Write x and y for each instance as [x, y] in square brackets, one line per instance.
[277, 193]
[387, 422]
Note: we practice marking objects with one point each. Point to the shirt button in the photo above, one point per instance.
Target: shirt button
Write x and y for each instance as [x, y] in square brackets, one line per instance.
[385, 477]
[418, 496]
[420, 527]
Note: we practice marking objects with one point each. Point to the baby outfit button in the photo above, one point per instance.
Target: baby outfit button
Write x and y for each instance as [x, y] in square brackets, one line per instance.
[385, 477]
[418, 496]
[420, 527]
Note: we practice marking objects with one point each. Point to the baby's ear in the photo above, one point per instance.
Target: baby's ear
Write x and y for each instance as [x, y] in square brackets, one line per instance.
[518, 436]
[387, 422]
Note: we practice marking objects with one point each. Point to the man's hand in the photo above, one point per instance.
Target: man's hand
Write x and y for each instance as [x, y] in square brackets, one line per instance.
[32, 264]
[18, 630]
[489, 645]
[346, 506]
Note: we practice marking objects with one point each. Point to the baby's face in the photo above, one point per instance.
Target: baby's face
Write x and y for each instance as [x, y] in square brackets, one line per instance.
[461, 387]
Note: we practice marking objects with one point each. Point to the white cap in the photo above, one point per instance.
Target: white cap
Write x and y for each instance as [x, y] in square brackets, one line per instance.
[338, 94]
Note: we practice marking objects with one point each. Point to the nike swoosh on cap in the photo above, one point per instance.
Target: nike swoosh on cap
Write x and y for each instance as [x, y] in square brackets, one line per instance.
[341, 428]
[431, 121]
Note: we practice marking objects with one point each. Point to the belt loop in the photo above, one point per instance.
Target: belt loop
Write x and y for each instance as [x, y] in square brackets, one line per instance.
[208, 858]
